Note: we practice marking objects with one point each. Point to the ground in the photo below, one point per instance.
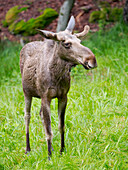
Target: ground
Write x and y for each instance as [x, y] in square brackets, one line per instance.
[96, 120]
[36, 8]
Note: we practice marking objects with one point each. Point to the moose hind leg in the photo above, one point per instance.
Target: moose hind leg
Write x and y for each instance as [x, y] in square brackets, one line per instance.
[46, 120]
[62, 102]
[27, 121]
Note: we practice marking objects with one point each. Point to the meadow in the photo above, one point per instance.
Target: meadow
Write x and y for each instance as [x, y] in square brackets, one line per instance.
[96, 125]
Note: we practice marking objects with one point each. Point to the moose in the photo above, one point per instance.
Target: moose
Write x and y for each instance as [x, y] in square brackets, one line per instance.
[45, 68]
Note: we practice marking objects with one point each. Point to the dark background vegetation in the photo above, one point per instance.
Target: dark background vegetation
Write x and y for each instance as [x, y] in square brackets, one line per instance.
[35, 8]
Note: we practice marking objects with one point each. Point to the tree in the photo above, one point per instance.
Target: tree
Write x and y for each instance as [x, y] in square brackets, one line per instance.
[64, 14]
[125, 13]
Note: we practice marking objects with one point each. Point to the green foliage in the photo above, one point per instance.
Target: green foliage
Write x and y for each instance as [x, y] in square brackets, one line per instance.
[115, 14]
[94, 16]
[106, 14]
[104, 4]
[17, 27]
[4, 23]
[28, 28]
[103, 14]
[12, 14]
[46, 18]
[96, 129]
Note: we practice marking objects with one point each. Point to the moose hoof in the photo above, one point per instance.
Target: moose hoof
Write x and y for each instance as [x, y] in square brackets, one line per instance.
[27, 152]
[62, 150]
[49, 158]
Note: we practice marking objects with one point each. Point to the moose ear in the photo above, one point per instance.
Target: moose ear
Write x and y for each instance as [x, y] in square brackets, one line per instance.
[71, 24]
[48, 34]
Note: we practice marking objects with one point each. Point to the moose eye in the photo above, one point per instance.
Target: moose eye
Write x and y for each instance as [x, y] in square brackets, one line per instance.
[67, 45]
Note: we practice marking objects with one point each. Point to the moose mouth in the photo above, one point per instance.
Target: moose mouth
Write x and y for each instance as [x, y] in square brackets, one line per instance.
[86, 66]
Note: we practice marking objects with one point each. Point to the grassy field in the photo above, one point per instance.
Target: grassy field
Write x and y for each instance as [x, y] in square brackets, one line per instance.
[96, 130]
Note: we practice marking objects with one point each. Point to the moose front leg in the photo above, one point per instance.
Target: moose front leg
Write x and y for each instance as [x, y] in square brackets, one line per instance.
[46, 120]
[62, 102]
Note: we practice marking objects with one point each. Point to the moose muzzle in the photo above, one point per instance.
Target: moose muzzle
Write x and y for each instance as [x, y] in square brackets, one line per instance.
[90, 64]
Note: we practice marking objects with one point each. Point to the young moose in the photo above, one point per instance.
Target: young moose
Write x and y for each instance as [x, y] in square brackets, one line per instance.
[45, 67]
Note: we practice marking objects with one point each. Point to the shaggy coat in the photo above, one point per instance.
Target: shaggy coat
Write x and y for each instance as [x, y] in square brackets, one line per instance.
[45, 68]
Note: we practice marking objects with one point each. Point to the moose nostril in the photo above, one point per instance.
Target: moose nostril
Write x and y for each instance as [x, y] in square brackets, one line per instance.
[92, 64]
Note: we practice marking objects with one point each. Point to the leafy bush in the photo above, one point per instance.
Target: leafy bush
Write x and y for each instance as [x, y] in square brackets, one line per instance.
[115, 14]
[28, 28]
[106, 14]
[12, 14]
[94, 16]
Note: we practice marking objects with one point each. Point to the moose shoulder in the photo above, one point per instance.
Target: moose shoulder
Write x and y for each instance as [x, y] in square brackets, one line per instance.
[45, 74]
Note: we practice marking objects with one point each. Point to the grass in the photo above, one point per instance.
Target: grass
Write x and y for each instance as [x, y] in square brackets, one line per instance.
[96, 132]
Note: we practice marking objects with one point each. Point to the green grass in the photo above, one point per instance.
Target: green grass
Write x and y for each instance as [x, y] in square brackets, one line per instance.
[96, 131]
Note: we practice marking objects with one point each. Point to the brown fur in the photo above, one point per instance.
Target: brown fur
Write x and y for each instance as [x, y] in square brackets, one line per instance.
[45, 73]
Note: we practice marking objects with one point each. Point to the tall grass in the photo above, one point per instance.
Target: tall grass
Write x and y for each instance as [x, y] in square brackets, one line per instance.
[96, 132]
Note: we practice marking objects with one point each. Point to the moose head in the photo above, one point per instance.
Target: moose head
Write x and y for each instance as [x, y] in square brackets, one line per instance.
[70, 45]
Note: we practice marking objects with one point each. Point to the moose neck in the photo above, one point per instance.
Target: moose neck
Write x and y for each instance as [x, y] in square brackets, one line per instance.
[57, 66]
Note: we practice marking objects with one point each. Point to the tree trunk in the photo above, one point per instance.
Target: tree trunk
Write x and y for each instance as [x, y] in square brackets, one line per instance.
[64, 14]
[125, 13]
